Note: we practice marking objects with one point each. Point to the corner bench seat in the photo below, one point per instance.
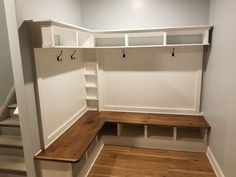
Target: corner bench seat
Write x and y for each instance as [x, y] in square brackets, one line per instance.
[72, 145]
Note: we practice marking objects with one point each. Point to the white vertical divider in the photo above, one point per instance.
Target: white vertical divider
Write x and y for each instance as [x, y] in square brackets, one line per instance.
[175, 133]
[164, 38]
[126, 40]
[205, 37]
[145, 131]
[119, 129]
[92, 40]
[98, 81]
[205, 135]
[77, 38]
[199, 85]
[100, 76]
[47, 37]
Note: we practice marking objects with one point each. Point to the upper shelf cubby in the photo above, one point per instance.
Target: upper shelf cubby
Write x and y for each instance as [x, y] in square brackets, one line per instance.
[52, 34]
[185, 37]
[146, 39]
[109, 40]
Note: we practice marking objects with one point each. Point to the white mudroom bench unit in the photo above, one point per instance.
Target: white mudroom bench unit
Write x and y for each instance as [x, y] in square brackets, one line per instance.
[137, 87]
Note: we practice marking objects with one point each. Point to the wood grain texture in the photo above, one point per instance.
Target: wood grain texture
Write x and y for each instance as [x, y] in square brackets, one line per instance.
[71, 146]
[169, 120]
[117, 161]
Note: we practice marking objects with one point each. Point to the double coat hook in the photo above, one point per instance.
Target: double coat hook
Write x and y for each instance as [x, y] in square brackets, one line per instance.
[59, 58]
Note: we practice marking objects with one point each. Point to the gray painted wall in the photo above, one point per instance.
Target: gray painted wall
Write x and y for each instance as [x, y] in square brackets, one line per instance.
[67, 11]
[6, 76]
[117, 14]
[219, 98]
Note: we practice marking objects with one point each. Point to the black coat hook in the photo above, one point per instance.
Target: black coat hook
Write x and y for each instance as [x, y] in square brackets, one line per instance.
[73, 55]
[173, 52]
[59, 56]
[123, 53]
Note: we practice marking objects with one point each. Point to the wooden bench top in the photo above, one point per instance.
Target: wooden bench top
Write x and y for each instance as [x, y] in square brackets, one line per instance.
[155, 119]
[71, 146]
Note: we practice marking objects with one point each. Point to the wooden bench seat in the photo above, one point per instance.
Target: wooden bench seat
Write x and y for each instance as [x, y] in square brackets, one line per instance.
[155, 119]
[71, 146]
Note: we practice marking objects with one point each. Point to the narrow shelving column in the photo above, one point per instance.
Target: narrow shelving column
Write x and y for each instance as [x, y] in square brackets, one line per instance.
[91, 77]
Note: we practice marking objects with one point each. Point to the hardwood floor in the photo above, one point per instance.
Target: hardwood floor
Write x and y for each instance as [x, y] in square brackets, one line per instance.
[118, 161]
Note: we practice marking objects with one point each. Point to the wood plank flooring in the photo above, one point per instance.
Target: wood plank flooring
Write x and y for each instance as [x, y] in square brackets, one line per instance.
[118, 161]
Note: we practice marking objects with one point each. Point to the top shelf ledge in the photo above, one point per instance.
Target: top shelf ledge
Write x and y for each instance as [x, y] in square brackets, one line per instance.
[54, 34]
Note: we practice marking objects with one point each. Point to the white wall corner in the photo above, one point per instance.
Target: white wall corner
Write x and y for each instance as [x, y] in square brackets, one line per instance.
[214, 163]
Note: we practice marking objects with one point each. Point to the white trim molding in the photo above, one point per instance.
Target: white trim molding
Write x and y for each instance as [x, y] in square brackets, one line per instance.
[154, 110]
[214, 163]
[49, 139]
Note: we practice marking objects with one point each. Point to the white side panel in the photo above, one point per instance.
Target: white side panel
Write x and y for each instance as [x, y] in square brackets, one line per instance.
[57, 169]
[61, 88]
[151, 80]
[91, 158]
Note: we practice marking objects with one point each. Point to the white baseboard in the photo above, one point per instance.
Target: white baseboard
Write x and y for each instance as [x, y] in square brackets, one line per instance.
[214, 163]
[155, 110]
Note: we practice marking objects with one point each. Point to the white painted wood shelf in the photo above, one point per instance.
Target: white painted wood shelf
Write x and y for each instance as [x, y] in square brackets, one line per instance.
[53, 34]
[91, 79]
[91, 98]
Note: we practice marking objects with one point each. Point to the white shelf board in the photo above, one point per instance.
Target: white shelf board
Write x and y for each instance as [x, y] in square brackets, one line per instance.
[90, 85]
[185, 45]
[124, 47]
[75, 47]
[90, 73]
[91, 98]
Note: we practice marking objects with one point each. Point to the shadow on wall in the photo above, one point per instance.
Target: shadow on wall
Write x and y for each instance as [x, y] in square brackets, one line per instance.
[206, 58]
[207, 51]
